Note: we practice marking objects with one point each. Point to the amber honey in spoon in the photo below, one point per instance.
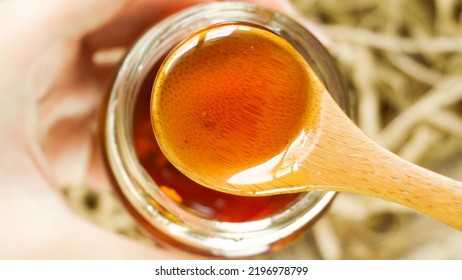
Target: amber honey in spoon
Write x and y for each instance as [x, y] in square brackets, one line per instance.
[236, 108]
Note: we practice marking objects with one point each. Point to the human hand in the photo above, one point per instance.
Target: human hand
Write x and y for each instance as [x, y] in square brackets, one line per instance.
[51, 87]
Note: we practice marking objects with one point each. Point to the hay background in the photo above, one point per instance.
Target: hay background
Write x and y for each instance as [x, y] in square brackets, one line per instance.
[402, 60]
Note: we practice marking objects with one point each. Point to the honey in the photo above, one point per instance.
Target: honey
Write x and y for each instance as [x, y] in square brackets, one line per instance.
[168, 205]
[231, 97]
[203, 201]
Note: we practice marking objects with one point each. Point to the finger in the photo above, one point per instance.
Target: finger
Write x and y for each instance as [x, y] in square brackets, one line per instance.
[83, 16]
[69, 18]
[83, 240]
[133, 21]
[142, 14]
[41, 226]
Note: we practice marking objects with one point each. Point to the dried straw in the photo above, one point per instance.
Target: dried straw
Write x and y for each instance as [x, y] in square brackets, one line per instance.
[403, 62]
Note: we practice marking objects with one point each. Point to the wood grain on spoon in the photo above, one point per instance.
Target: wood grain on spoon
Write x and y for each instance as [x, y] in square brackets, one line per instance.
[344, 159]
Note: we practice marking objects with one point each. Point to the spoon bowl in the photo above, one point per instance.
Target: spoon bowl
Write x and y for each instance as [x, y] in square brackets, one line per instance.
[238, 110]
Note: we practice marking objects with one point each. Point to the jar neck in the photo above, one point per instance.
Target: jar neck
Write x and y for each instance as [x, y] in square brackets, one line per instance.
[158, 211]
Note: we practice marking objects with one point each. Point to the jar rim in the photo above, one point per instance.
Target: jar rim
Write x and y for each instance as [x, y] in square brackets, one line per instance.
[228, 239]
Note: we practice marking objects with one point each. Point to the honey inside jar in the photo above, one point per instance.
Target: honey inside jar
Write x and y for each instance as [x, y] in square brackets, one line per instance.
[203, 201]
[230, 98]
[166, 204]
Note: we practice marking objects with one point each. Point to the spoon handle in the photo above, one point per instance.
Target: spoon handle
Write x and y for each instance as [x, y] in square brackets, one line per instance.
[359, 165]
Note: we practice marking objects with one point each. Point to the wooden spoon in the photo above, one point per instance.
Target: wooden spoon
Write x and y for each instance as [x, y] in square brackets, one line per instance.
[325, 150]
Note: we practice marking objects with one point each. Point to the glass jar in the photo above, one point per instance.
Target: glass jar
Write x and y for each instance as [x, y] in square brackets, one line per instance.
[159, 209]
